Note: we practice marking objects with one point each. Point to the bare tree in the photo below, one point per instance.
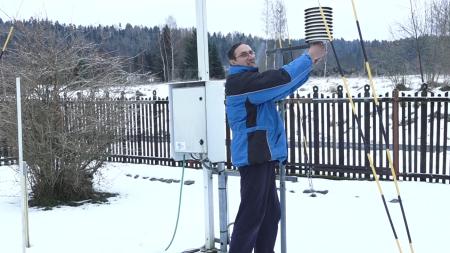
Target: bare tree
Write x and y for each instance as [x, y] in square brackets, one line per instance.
[163, 54]
[172, 25]
[65, 140]
[438, 20]
[278, 21]
[168, 40]
[275, 24]
[428, 25]
[266, 21]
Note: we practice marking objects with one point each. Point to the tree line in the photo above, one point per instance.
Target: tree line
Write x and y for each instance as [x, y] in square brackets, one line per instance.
[166, 53]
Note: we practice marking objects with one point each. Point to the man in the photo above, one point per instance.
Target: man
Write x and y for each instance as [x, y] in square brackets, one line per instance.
[259, 140]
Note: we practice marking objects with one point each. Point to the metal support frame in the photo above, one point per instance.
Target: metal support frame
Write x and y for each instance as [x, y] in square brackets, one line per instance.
[279, 62]
[223, 208]
[283, 197]
[209, 208]
[203, 73]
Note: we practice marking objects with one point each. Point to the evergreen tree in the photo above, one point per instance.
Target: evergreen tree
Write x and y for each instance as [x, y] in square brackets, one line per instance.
[190, 63]
[215, 65]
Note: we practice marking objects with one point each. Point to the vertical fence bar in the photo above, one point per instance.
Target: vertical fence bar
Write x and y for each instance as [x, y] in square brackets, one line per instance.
[131, 122]
[348, 133]
[158, 136]
[411, 124]
[145, 144]
[166, 109]
[291, 134]
[228, 142]
[374, 138]
[416, 129]
[361, 155]
[316, 127]
[125, 132]
[340, 122]
[388, 135]
[308, 118]
[423, 133]
[333, 131]
[444, 148]
[328, 132]
[138, 128]
[438, 138]
[155, 130]
[163, 132]
[404, 140]
[366, 116]
[322, 119]
[395, 132]
[299, 135]
[431, 128]
[380, 136]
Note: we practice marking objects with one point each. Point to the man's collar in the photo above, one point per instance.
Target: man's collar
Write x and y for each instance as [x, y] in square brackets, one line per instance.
[234, 69]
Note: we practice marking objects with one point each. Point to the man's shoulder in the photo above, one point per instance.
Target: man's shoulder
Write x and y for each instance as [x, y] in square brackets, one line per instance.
[245, 82]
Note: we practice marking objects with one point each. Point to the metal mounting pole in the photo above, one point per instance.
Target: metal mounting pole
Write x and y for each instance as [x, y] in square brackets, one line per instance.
[23, 171]
[202, 41]
[223, 208]
[209, 208]
[279, 62]
[283, 196]
[203, 72]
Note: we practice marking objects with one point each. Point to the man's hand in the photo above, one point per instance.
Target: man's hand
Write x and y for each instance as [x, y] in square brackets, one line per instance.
[317, 51]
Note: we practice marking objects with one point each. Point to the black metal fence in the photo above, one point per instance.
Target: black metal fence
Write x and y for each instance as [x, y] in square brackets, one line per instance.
[322, 134]
[416, 132]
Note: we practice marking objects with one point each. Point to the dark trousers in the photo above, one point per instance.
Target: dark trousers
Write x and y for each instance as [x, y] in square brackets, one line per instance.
[256, 223]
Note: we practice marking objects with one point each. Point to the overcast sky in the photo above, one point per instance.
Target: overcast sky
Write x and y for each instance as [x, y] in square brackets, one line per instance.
[378, 18]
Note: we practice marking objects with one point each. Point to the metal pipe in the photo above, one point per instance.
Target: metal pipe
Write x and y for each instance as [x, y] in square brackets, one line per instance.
[202, 41]
[223, 207]
[23, 170]
[283, 195]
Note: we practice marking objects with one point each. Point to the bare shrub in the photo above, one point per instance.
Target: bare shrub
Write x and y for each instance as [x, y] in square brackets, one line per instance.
[65, 140]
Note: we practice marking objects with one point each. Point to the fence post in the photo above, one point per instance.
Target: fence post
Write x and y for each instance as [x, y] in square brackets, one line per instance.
[138, 127]
[123, 152]
[316, 126]
[367, 104]
[292, 144]
[228, 143]
[423, 132]
[395, 135]
[155, 129]
[340, 122]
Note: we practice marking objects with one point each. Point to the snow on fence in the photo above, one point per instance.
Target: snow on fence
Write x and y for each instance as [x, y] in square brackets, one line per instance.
[416, 126]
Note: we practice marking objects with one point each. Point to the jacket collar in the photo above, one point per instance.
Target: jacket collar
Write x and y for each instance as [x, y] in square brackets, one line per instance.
[234, 69]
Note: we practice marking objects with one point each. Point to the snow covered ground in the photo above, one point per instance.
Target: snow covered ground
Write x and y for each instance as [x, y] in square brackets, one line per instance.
[326, 85]
[350, 218]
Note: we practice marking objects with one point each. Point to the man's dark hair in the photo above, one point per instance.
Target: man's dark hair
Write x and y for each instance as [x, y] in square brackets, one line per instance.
[230, 53]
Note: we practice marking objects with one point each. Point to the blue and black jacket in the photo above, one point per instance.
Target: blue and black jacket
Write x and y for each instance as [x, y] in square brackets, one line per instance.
[258, 133]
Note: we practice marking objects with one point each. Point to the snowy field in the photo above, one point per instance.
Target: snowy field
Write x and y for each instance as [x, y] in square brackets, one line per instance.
[326, 85]
[350, 218]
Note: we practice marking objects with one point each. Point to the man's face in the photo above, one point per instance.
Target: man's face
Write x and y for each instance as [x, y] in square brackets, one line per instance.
[244, 55]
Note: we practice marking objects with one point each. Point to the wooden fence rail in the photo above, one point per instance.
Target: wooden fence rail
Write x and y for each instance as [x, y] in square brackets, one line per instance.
[416, 126]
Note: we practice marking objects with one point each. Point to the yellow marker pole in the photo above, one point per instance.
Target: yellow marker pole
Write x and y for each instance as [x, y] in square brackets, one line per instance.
[378, 109]
[7, 40]
[369, 157]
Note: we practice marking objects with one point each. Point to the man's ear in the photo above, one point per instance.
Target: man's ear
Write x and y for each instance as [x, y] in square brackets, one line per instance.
[232, 62]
